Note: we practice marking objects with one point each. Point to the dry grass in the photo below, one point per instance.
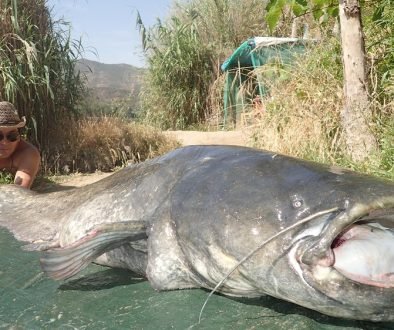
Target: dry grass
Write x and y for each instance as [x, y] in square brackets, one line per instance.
[102, 144]
[214, 119]
[302, 113]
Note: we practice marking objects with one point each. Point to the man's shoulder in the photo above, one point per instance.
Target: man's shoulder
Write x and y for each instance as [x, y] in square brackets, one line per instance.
[26, 149]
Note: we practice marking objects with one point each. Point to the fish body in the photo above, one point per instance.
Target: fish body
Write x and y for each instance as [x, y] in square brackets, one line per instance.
[262, 223]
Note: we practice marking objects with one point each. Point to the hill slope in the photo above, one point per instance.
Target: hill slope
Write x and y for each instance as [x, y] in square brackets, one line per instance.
[111, 81]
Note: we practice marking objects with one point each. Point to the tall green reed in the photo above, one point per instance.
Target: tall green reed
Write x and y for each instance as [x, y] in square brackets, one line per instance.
[37, 58]
[184, 54]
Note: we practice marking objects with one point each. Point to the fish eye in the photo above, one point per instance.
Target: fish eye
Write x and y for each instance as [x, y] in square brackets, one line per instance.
[297, 203]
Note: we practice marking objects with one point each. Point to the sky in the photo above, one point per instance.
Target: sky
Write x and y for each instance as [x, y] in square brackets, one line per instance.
[109, 26]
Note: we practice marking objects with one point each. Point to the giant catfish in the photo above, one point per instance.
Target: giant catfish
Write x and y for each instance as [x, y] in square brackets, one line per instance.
[242, 221]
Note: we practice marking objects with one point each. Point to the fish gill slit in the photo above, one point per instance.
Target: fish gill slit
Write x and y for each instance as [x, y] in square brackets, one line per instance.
[260, 246]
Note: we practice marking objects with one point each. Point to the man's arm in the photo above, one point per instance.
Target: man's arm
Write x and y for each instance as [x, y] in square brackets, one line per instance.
[28, 163]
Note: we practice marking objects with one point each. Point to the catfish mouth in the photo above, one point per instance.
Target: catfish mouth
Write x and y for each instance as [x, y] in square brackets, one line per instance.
[364, 251]
[357, 246]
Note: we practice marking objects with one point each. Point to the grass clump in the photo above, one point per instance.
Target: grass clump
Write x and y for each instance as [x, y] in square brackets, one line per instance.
[103, 143]
[303, 114]
[6, 178]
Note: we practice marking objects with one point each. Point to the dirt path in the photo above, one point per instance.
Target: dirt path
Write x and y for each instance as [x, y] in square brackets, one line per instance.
[239, 137]
[186, 138]
[79, 180]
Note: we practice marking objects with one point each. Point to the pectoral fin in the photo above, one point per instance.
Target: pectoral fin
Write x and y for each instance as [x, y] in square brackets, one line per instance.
[67, 261]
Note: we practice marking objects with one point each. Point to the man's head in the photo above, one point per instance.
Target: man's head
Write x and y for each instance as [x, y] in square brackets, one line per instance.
[10, 122]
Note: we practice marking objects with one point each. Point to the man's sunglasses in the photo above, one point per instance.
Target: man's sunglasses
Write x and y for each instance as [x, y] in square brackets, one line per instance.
[11, 137]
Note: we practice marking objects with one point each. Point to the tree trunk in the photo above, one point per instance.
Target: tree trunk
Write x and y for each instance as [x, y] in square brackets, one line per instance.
[356, 114]
[294, 26]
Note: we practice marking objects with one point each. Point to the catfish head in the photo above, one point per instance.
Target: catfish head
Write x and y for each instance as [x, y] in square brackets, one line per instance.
[344, 259]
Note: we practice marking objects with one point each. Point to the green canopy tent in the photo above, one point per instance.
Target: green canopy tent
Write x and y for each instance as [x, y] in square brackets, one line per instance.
[243, 83]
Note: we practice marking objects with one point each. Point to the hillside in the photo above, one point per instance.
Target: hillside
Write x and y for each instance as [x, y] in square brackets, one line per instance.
[109, 82]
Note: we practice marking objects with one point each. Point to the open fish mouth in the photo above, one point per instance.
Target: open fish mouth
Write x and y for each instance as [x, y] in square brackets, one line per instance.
[357, 245]
[364, 251]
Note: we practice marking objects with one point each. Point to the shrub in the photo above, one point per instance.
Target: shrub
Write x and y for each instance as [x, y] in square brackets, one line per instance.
[302, 116]
[102, 143]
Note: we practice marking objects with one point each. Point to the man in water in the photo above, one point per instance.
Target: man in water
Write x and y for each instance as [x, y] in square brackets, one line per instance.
[17, 156]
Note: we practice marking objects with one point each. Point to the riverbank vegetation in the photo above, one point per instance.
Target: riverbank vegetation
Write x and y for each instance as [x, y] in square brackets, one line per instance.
[183, 84]
[38, 62]
[302, 115]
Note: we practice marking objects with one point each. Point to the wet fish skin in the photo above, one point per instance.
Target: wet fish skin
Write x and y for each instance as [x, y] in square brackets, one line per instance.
[204, 208]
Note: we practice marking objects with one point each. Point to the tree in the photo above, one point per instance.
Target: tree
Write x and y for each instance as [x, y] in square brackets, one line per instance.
[356, 114]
